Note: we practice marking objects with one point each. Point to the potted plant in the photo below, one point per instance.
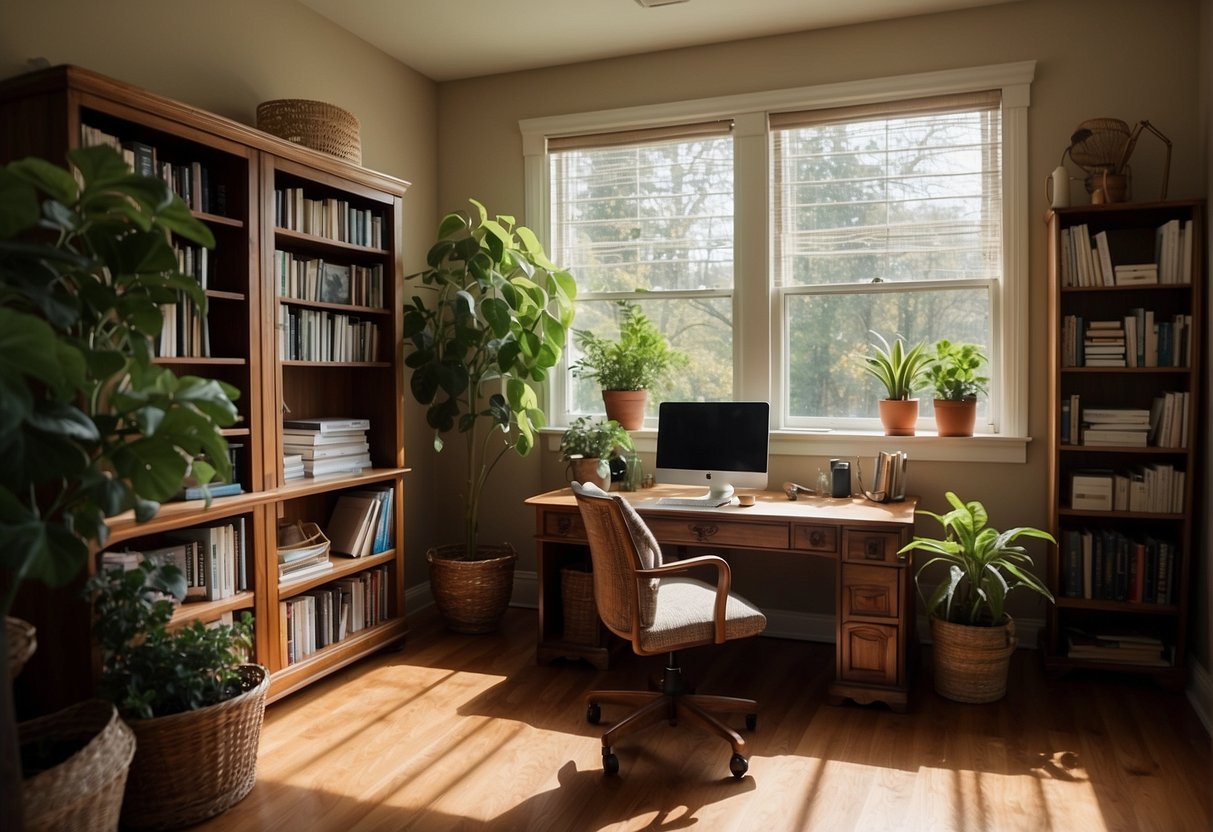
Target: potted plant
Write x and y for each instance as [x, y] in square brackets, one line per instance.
[194, 704]
[628, 367]
[489, 323]
[900, 369]
[953, 372]
[973, 635]
[587, 445]
[91, 426]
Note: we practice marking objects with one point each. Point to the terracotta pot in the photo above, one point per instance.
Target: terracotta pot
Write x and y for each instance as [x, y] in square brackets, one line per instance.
[585, 470]
[955, 418]
[899, 416]
[971, 663]
[626, 407]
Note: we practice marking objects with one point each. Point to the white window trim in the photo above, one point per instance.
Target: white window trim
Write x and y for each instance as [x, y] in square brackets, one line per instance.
[756, 364]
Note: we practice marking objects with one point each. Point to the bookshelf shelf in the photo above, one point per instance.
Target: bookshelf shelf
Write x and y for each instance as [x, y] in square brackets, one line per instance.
[230, 175]
[1122, 573]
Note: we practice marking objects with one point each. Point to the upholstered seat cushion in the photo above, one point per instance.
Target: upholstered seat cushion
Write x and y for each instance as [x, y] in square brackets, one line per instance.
[684, 615]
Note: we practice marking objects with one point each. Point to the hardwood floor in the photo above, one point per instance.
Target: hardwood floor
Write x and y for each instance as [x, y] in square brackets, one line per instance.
[468, 733]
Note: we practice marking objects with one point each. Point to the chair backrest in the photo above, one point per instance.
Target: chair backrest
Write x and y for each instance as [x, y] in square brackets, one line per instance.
[620, 544]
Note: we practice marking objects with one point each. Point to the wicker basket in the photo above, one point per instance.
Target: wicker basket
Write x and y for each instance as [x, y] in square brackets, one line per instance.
[472, 594]
[971, 663]
[580, 611]
[194, 765]
[84, 792]
[314, 124]
[19, 636]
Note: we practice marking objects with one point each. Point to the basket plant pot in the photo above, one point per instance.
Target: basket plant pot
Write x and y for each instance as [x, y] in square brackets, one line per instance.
[580, 613]
[971, 663]
[626, 407]
[76, 762]
[196, 764]
[472, 593]
[898, 416]
[955, 418]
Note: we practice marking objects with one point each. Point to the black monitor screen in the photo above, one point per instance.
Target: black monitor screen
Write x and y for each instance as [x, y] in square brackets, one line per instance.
[713, 436]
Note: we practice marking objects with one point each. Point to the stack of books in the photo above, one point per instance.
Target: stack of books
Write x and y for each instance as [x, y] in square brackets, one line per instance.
[1115, 426]
[328, 445]
[1103, 344]
[302, 551]
[292, 466]
[1119, 647]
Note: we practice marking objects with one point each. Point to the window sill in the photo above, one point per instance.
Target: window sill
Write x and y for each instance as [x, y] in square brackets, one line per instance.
[927, 447]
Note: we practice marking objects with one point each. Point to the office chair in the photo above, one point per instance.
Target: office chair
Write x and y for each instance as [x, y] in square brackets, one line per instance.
[639, 599]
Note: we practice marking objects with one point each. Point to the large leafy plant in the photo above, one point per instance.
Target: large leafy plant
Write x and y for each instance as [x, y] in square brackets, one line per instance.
[489, 326]
[638, 359]
[90, 425]
[983, 565]
[954, 371]
[148, 670]
[898, 367]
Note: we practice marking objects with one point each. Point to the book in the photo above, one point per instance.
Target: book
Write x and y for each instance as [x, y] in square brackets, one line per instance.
[351, 522]
[311, 570]
[218, 489]
[306, 452]
[336, 465]
[327, 425]
[299, 439]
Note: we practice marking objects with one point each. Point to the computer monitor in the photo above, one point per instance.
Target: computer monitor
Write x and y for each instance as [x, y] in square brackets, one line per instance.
[721, 445]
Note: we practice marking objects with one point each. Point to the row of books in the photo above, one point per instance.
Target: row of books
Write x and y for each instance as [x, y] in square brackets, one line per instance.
[1156, 488]
[1125, 257]
[1164, 425]
[327, 445]
[333, 218]
[361, 522]
[1124, 648]
[320, 335]
[312, 278]
[1137, 340]
[212, 558]
[190, 180]
[195, 261]
[185, 331]
[1108, 565]
[330, 613]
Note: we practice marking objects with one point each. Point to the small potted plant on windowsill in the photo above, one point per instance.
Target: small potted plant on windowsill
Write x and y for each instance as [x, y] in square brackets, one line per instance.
[627, 368]
[587, 445]
[973, 636]
[953, 372]
[900, 369]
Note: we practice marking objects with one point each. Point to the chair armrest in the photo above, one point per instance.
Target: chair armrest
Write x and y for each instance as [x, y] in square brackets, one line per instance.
[724, 583]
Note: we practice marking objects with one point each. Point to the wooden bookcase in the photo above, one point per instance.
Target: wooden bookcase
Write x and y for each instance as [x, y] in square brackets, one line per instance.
[1105, 572]
[48, 112]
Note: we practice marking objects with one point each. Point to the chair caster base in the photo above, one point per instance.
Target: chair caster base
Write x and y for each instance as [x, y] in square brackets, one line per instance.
[739, 765]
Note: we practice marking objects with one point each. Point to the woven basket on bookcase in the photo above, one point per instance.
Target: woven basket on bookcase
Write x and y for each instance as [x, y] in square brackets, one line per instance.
[314, 124]
[194, 765]
[472, 594]
[19, 637]
[580, 611]
[971, 663]
[84, 792]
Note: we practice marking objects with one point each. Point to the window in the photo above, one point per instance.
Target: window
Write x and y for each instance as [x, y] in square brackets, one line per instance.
[769, 251]
[647, 217]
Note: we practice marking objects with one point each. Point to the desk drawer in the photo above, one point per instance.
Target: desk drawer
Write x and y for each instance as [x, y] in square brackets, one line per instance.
[712, 531]
[815, 538]
[563, 524]
[871, 546]
[870, 591]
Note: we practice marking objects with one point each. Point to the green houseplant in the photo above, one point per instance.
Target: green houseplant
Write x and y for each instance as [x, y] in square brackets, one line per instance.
[194, 704]
[90, 425]
[954, 372]
[488, 324]
[631, 364]
[587, 444]
[973, 635]
[900, 369]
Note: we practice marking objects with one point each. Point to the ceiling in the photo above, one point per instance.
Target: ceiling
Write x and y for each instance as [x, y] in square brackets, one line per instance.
[447, 40]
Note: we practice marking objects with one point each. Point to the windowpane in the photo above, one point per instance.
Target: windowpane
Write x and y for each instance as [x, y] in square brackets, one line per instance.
[828, 333]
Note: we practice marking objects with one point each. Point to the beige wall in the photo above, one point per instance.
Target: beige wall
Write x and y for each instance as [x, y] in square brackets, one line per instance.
[226, 56]
[1119, 58]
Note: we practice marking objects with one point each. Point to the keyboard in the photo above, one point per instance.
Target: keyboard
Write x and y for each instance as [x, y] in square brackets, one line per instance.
[690, 502]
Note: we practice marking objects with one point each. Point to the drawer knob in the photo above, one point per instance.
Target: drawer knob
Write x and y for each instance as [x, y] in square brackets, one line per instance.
[703, 533]
[564, 525]
[817, 537]
[873, 549]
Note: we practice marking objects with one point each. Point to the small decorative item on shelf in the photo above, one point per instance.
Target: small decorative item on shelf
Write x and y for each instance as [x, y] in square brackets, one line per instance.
[900, 369]
[315, 124]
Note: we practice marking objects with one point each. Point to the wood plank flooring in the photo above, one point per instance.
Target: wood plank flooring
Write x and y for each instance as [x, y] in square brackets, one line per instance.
[468, 733]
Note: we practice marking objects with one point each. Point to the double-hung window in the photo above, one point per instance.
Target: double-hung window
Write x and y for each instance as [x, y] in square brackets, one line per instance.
[771, 234]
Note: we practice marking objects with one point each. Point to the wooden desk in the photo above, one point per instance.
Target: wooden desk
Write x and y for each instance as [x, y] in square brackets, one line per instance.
[875, 602]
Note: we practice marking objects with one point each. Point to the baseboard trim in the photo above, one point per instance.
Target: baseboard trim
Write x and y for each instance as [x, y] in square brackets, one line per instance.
[1200, 693]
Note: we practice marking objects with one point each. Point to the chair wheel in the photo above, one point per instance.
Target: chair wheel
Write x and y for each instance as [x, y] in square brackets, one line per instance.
[593, 713]
[610, 763]
[751, 721]
[739, 765]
